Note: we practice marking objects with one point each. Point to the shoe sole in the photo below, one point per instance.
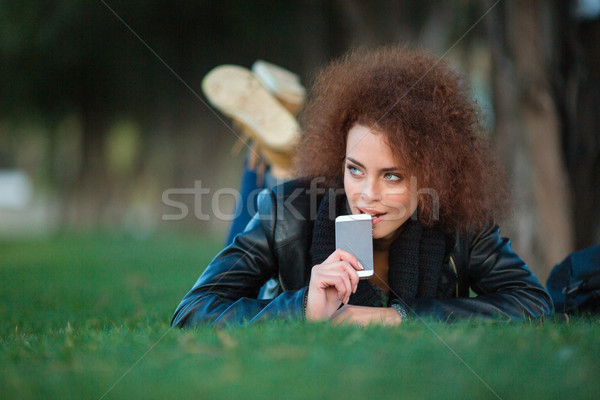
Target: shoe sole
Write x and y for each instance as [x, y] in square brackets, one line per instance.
[283, 84]
[237, 93]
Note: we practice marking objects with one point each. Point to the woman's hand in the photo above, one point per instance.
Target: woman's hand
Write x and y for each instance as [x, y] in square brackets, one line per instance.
[331, 284]
[366, 315]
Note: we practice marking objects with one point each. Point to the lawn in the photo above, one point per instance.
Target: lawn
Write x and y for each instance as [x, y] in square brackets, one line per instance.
[87, 317]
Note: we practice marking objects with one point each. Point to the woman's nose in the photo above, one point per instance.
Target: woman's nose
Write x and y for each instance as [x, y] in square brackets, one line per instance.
[371, 191]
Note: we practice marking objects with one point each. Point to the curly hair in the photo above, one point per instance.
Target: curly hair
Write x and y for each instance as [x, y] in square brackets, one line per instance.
[419, 104]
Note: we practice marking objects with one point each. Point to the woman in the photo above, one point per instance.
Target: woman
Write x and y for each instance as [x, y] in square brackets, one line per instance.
[390, 133]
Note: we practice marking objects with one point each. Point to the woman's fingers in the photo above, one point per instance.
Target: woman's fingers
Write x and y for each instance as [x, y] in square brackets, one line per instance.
[337, 278]
[343, 255]
[342, 266]
[352, 275]
[330, 282]
[353, 278]
[343, 287]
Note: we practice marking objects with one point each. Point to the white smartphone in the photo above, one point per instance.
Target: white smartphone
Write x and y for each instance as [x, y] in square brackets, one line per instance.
[354, 233]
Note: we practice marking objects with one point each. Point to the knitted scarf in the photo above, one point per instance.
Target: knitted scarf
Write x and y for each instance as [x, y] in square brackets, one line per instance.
[415, 256]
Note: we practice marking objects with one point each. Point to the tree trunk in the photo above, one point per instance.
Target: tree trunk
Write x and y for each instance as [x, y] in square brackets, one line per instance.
[528, 133]
[577, 88]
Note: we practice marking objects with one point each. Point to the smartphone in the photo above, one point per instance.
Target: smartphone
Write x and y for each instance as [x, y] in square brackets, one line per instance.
[354, 233]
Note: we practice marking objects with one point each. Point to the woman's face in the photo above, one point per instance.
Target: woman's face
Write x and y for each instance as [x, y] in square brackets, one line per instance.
[373, 182]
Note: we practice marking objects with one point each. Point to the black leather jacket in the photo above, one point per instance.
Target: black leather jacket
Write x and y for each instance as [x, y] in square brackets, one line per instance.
[277, 242]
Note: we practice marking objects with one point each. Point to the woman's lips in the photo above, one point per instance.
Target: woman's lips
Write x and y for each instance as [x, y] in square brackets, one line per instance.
[377, 220]
[376, 216]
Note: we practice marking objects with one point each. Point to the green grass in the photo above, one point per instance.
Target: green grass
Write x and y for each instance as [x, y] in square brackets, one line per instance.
[81, 316]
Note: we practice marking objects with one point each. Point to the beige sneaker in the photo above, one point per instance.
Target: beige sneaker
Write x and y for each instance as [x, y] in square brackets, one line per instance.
[237, 93]
[283, 84]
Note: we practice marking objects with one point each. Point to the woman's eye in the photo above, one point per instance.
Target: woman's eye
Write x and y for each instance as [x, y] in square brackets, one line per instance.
[392, 177]
[353, 170]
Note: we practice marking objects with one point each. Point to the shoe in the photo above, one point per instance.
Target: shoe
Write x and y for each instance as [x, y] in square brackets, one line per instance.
[237, 93]
[283, 84]
[280, 161]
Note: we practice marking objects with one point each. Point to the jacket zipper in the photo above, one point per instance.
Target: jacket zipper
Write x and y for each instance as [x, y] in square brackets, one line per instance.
[455, 271]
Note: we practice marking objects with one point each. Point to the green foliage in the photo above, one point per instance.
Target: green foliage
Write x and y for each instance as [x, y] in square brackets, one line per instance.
[80, 314]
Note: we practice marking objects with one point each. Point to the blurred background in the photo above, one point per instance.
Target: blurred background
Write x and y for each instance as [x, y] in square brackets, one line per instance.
[101, 110]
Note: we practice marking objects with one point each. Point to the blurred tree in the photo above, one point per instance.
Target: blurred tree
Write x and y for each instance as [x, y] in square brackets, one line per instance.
[576, 82]
[545, 88]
